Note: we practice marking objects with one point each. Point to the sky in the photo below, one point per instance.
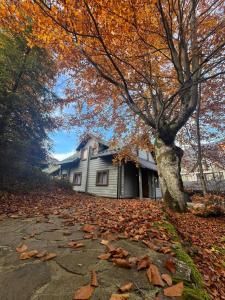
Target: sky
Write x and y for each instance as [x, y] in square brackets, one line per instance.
[63, 141]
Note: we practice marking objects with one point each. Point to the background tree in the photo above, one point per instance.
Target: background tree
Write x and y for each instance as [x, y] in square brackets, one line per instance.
[204, 133]
[146, 58]
[26, 104]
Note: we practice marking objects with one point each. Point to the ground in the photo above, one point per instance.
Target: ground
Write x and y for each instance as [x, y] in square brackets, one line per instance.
[76, 229]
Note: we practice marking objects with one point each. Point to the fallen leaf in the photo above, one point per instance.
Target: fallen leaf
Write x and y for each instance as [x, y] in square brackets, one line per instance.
[22, 248]
[133, 260]
[24, 255]
[41, 254]
[167, 278]
[104, 256]
[49, 256]
[94, 281]
[122, 263]
[88, 228]
[88, 236]
[32, 253]
[143, 263]
[75, 245]
[154, 275]
[119, 297]
[119, 253]
[84, 293]
[27, 255]
[170, 265]
[175, 290]
[126, 287]
[104, 242]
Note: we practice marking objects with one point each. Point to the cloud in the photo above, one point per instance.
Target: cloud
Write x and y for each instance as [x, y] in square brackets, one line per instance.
[61, 156]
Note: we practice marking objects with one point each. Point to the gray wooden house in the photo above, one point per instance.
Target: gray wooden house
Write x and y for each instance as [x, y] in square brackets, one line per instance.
[91, 170]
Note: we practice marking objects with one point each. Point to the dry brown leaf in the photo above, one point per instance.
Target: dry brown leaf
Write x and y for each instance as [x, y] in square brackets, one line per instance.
[104, 256]
[133, 260]
[49, 256]
[122, 263]
[88, 235]
[88, 228]
[27, 255]
[24, 255]
[84, 293]
[22, 248]
[94, 281]
[174, 290]
[32, 253]
[75, 245]
[104, 242]
[119, 297]
[119, 252]
[41, 254]
[154, 275]
[143, 263]
[167, 278]
[170, 265]
[126, 287]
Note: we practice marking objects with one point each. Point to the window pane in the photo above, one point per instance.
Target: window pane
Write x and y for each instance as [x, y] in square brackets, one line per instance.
[102, 178]
[77, 179]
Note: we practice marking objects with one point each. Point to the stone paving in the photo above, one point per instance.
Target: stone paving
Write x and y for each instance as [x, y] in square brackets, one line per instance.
[57, 279]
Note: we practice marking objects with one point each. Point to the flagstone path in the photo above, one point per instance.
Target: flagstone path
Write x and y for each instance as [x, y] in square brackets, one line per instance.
[58, 278]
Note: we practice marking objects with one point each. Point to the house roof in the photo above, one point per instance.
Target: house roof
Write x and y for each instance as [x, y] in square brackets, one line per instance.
[147, 164]
[87, 138]
[69, 159]
[51, 169]
[107, 152]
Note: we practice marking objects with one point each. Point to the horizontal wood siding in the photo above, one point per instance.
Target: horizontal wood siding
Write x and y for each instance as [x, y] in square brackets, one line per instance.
[81, 168]
[99, 164]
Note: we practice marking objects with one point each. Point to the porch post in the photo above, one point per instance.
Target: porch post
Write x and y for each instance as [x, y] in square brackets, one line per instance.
[140, 183]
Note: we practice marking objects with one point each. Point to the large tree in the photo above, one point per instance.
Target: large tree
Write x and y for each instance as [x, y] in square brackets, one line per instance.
[148, 55]
[26, 103]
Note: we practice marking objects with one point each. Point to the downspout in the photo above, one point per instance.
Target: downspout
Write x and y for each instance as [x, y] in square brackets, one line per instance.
[87, 171]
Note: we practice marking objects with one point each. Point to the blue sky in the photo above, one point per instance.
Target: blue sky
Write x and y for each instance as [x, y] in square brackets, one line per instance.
[63, 141]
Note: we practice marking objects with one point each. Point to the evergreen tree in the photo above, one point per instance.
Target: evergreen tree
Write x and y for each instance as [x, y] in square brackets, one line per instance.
[26, 102]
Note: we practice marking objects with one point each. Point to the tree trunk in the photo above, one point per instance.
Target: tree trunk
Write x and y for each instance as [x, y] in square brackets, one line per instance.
[199, 146]
[168, 158]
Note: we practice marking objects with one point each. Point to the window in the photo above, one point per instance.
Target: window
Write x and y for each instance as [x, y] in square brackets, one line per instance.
[77, 177]
[84, 154]
[102, 177]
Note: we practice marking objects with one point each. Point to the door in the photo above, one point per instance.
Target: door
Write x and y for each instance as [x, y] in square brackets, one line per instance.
[145, 187]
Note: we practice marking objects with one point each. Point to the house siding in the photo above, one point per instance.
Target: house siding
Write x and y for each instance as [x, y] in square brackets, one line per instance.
[81, 168]
[98, 164]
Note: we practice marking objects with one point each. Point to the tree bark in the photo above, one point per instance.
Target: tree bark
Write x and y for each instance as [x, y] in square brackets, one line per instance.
[199, 146]
[168, 158]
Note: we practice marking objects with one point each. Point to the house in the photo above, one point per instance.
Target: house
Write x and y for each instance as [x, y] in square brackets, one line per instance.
[91, 170]
[214, 172]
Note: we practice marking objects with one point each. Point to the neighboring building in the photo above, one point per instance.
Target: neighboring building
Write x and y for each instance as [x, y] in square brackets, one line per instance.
[91, 170]
[214, 173]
